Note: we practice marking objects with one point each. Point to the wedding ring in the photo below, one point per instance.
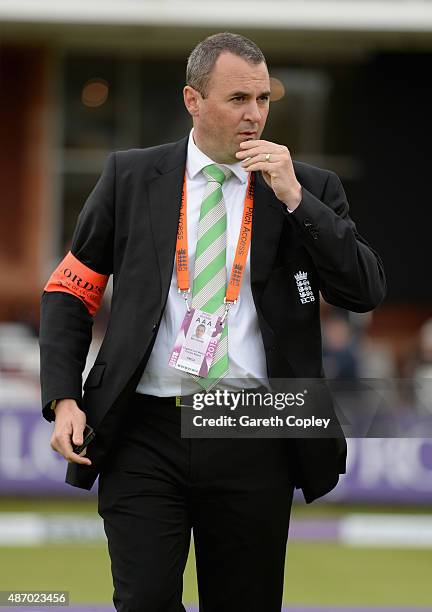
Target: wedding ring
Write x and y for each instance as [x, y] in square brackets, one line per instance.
[267, 157]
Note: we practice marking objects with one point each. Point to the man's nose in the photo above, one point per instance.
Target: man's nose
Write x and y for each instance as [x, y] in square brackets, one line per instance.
[252, 113]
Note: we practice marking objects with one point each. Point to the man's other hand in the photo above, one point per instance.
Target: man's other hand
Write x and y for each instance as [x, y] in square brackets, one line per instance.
[69, 426]
[277, 169]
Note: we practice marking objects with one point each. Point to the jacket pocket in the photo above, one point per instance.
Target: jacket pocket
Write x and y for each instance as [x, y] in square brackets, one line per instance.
[95, 376]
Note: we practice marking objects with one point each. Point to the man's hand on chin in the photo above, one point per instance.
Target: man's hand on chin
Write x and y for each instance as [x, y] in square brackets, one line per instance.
[275, 163]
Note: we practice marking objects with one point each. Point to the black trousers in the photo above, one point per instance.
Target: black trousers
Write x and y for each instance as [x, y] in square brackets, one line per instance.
[235, 494]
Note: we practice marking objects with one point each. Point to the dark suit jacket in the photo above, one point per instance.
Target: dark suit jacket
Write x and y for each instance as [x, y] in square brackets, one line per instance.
[128, 227]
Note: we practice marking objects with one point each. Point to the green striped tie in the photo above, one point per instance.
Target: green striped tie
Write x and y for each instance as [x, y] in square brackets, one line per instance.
[210, 277]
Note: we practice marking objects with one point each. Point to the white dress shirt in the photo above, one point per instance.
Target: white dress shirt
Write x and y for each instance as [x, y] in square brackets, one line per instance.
[247, 362]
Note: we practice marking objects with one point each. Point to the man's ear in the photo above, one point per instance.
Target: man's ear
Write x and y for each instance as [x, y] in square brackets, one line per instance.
[191, 99]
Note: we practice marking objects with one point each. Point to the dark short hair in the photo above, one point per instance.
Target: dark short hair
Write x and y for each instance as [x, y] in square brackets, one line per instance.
[203, 58]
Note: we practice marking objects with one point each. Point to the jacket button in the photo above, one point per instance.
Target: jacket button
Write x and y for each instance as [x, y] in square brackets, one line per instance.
[155, 326]
[307, 223]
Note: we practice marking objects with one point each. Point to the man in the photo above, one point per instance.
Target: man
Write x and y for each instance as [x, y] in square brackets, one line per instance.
[155, 486]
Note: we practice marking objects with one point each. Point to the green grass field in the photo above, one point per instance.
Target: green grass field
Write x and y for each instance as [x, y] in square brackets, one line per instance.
[341, 575]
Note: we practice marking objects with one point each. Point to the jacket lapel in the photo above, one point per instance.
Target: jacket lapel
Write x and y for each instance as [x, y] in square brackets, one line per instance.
[164, 192]
[267, 222]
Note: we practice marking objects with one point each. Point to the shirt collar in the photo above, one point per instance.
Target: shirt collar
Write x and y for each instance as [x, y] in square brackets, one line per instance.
[197, 160]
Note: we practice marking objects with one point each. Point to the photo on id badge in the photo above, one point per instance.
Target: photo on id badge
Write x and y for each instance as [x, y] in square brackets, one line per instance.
[196, 342]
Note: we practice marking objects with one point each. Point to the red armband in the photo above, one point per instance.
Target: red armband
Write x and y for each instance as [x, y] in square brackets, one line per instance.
[72, 276]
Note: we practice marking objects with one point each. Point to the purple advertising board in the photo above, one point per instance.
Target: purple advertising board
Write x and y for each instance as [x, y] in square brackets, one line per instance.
[380, 470]
[387, 470]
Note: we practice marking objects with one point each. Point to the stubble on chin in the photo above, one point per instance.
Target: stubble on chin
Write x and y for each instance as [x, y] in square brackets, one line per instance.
[227, 155]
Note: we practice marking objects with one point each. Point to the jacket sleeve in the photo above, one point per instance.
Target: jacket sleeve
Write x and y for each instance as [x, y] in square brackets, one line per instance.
[73, 295]
[351, 272]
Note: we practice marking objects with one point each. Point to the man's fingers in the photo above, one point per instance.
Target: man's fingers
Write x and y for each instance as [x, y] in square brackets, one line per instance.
[250, 144]
[65, 444]
[261, 152]
[247, 145]
[249, 148]
[61, 437]
[252, 151]
[69, 429]
[62, 443]
[271, 168]
[274, 157]
[74, 458]
[77, 436]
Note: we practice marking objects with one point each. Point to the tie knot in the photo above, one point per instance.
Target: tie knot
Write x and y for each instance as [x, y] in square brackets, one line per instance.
[216, 173]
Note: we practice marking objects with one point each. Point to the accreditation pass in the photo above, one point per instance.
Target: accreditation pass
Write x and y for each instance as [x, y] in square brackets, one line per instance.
[196, 342]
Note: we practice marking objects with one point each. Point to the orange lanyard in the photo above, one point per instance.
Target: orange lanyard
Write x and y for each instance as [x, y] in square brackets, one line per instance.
[243, 243]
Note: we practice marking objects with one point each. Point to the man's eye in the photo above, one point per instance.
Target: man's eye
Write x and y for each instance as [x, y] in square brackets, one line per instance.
[264, 98]
[238, 98]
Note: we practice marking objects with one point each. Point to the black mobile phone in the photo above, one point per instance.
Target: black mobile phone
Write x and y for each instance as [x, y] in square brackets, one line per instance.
[88, 436]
